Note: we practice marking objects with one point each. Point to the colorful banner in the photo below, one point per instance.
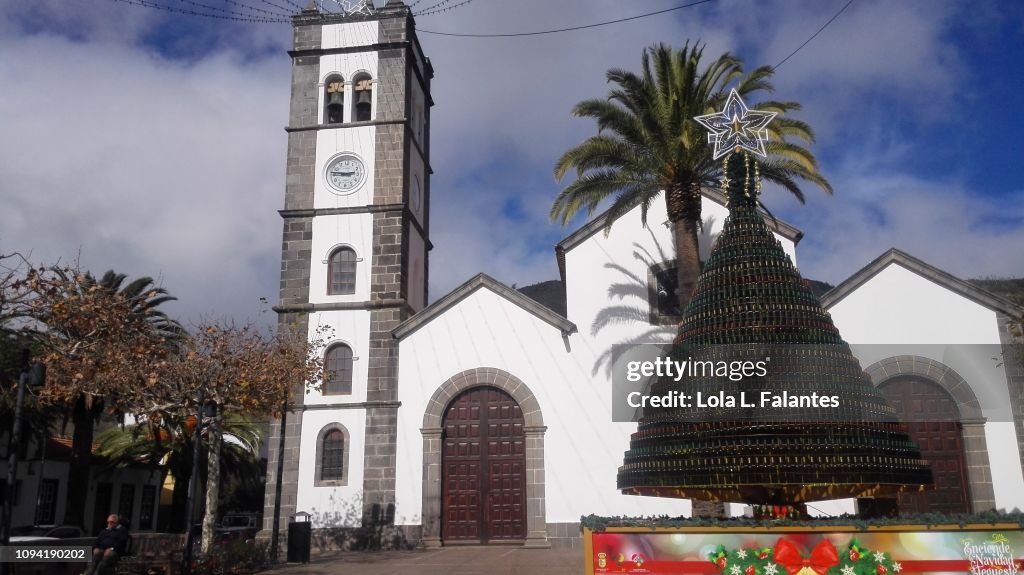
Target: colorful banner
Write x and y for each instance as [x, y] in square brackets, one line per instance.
[761, 552]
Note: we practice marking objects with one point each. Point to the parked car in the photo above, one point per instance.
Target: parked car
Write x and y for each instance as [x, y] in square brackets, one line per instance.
[44, 533]
[237, 527]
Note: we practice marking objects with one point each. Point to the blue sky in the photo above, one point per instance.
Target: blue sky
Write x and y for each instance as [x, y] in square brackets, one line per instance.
[152, 143]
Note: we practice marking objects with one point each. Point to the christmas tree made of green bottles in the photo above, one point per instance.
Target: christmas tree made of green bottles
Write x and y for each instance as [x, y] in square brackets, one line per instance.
[750, 303]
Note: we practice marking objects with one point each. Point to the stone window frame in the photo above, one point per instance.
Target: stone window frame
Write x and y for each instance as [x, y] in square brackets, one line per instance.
[324, 387]
[656, 317]
[972, 422]
[329, 79]
[359, 75]
[318, 473]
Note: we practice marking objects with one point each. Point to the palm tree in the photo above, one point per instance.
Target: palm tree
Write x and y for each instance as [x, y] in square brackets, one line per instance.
[169, 442]
[144, 298]
[648, 143]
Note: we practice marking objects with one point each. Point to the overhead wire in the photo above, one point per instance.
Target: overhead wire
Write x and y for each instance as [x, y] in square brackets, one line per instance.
[813, 36]
[567, 29]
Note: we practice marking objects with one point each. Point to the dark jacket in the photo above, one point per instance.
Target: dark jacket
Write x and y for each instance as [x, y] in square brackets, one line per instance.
[116, 539]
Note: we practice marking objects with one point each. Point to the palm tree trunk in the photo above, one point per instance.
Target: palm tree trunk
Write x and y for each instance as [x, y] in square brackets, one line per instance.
[684, 211]
[79, 466]
[212, 485]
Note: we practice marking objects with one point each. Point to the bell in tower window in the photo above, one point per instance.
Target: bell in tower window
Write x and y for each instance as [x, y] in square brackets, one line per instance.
[363, 88]
[334, 100]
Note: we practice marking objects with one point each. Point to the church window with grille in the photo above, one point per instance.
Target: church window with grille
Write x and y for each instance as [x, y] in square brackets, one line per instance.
[334, 100]
[338, 368]
[332, 464]
[341, 272]
[662, 283]
[362, 87]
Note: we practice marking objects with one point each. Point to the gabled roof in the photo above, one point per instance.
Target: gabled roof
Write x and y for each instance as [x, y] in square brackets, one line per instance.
[601, 221]
[465, 290]
[927, 271]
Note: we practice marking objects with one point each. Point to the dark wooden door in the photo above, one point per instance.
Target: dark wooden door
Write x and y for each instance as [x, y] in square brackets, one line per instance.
[483, 460]
[934, 423]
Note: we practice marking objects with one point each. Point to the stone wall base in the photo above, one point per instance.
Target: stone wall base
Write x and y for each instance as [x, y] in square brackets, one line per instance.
[565, 535]
[387, 537]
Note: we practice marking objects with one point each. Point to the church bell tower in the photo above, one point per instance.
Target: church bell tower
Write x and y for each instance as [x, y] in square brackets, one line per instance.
[354, 253]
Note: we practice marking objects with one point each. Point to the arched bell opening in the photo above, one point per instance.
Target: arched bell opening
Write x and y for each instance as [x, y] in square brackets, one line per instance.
[334, 99]
[362, 87]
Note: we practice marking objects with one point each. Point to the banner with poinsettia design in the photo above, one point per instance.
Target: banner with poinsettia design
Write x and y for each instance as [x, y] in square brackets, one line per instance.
[725, 551]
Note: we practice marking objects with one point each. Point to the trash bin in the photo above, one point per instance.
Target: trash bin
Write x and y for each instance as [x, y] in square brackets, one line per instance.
[300, 538]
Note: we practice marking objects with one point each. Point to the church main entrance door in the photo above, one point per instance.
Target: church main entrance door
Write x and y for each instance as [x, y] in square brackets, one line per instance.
[483, 463]
[933, 420]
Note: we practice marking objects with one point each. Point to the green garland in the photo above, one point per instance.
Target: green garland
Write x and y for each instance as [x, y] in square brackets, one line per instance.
[599, 523]
[854, 560]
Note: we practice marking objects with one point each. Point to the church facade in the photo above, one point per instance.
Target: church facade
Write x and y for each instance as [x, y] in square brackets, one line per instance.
[486, 416]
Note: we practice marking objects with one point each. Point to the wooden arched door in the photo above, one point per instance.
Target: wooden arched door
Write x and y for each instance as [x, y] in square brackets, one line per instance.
[483, 466]
[933, 420]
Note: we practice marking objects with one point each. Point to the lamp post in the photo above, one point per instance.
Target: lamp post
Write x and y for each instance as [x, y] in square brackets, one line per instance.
[275, 529]
[31, 375]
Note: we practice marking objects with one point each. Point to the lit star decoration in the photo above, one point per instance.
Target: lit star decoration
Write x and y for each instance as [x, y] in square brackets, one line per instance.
[737, 128]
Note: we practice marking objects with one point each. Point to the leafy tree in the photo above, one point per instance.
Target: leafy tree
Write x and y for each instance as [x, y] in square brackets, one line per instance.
[101, 340]
[238, 370]
[648, 143]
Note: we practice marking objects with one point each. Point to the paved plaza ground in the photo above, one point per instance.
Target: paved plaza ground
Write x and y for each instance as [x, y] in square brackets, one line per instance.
[492, 560]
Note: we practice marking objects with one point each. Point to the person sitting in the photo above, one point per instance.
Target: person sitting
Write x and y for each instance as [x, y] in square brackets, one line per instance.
[109, 547]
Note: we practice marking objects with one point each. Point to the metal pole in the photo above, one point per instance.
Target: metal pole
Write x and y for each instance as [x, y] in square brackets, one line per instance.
[276, 527]
[186, 562]
[12, 457]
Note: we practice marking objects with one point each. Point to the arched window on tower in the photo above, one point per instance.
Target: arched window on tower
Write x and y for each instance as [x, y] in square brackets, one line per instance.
[338, 370]
[341, 271]
[334, 99]
[363, 93]
[333, 460]
[332, 456]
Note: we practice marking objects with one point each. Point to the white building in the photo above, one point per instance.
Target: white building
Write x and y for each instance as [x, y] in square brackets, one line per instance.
[486, 416]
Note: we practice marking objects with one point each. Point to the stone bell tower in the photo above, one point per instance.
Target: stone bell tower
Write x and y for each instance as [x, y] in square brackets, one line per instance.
[354, 253]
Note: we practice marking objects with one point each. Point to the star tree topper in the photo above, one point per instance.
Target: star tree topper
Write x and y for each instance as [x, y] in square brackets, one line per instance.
[737, 127]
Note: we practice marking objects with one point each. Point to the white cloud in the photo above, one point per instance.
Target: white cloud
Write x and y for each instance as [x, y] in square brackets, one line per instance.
[174, 167]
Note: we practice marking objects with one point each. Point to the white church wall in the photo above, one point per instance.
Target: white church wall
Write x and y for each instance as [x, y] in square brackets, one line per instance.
[582, 447]
[918, 317]
[350, 34]
[351, 327]
[332, 506]
[333, 231]
[358, 141]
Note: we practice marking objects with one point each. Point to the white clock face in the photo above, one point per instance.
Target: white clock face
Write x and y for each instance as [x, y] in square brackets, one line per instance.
[345, 173]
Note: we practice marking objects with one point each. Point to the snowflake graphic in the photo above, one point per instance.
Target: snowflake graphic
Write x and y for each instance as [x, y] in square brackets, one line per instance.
[848, 570]
[771, 569]
[742, 553]
[879, 556]
[896, 567]
[735, 570]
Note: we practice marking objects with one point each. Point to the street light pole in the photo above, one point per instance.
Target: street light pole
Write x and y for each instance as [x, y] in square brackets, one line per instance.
[30, 375]
[275, 529]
